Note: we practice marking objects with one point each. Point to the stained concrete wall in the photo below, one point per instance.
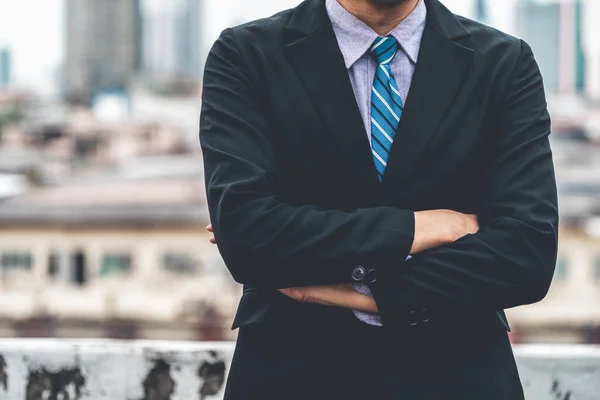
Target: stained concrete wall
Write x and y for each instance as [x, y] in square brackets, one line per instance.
[559, 372]
[152, 370]
[112, 370]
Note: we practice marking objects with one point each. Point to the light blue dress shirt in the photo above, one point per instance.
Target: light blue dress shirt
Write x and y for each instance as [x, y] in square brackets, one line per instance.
[354, 40]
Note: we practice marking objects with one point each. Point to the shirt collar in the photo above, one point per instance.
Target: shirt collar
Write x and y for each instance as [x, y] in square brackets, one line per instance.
[355, 37]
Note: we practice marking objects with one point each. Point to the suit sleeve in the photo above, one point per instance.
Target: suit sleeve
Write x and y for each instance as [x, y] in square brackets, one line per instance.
[264, 240]
[511, 260]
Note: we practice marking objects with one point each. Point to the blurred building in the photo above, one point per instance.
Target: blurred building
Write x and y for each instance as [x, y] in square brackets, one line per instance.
[562, 33]
[102, 229]
[179, 111]
[158, 55]
[14, 165]
[188, 38]
[571, 311]
[49, 153]
[5, 68]
[563, 36]
[539, 26]
[173, 39]
[102, 210]
[591, 47]
[115, 253]
[481, 10]
[499, 14]
[103, 46]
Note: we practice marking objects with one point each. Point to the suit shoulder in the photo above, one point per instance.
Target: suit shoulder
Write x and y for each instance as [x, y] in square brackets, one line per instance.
[494, 48]
[262, 30]
[261, 36]
[490, 40]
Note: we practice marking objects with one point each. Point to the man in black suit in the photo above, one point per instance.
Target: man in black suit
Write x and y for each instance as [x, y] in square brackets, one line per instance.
[372, 270]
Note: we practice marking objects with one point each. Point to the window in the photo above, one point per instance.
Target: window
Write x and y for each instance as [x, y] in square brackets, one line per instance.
[180, 263]
[561, 269]
[13, 264]
[53, 265]
[78, 275]
[115, 263]
[16, 260]
[71, 266]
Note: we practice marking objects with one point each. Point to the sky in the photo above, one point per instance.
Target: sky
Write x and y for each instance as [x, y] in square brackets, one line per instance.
[33, 31]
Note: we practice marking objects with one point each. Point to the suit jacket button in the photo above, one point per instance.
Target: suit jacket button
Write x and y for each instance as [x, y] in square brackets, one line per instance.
[372, 276]
[359, 273]
[413, 318]
[425, 317]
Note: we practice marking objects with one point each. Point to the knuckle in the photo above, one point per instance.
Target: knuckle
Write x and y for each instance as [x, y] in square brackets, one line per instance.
[300, 296]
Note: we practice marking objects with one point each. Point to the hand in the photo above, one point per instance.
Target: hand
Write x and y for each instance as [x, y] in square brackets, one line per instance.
[212, 238]
[438, 227]
[343, 296]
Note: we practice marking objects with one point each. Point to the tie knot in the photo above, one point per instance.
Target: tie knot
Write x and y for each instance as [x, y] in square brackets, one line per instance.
[384, 49]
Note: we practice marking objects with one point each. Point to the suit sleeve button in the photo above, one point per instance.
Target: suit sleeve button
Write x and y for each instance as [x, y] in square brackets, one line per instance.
[413, 318]
[372, 276]
[359, 273]
[425, 317]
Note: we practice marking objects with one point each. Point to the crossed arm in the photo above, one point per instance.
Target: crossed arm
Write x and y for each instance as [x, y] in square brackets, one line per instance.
[427, 235]
[342, 295]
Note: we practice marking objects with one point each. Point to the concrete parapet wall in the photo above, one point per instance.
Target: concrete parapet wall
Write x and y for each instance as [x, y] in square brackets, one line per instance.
[36, 369]
[112, 370]
[559, 372]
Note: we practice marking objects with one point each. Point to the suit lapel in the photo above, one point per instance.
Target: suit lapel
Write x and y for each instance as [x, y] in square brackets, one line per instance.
[440, 71]
[319, 63]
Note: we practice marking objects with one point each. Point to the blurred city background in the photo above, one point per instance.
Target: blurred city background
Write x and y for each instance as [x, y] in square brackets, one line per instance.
[102, 203]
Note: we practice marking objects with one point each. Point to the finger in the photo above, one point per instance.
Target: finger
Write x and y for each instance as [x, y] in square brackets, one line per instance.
[209, 228]
[292, 293]
[213, 240]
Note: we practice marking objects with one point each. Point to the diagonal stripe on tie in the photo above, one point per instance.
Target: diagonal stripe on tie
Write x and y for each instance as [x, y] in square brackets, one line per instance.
[379, 98]
[396, 98]
[378, 143]
[380, 158]
[376, 110]
[382, 89]
[378, 43]
[381, 132]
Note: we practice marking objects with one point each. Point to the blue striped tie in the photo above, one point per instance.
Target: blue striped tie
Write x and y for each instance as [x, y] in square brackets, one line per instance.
[386, 103]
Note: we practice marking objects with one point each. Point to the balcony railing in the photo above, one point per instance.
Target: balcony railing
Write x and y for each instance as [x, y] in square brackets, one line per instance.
[33, 369]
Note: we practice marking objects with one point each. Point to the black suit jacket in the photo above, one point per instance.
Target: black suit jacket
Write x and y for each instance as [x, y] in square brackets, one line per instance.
[293, 191]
